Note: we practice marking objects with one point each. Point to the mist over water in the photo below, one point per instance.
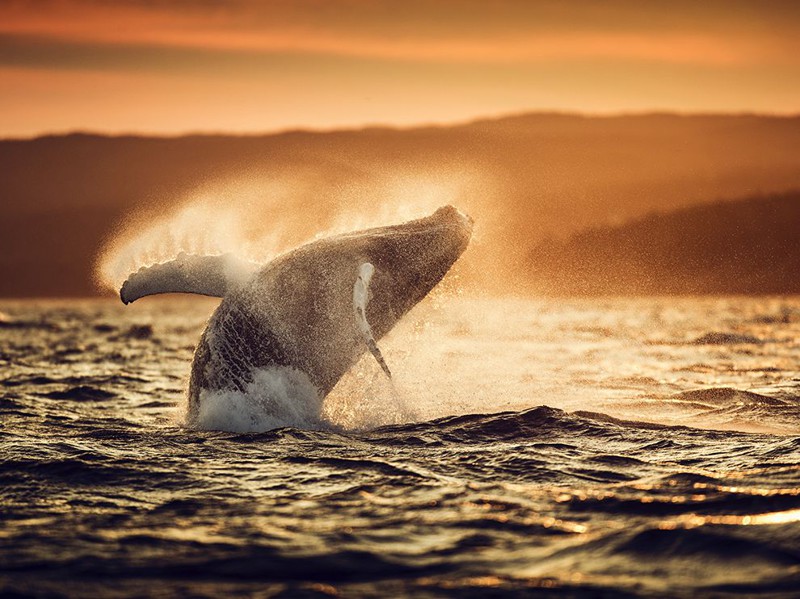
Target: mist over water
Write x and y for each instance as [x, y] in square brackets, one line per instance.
[257, 216]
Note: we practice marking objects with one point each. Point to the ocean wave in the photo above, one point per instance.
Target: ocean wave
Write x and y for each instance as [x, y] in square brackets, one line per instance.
[74, 471]
[540, 422]
[726, 396]
[722, 338]
[707, 545]
[80, 393]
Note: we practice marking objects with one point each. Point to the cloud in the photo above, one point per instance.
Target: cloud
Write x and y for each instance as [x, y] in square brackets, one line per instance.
[250, 65]
[444, 31]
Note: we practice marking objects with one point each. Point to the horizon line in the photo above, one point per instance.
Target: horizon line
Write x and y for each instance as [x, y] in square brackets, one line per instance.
[369, 126]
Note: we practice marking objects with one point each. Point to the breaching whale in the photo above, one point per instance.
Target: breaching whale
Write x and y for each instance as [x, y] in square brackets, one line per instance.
[314, 310]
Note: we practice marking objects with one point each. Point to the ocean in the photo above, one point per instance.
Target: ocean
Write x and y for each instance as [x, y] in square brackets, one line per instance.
[645, 447]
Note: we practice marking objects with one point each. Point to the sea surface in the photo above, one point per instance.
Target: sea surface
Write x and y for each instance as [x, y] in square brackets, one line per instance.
[569, 448]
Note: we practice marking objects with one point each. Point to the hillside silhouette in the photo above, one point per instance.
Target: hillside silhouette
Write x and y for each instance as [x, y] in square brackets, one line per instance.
[523, 178]
[750, 246]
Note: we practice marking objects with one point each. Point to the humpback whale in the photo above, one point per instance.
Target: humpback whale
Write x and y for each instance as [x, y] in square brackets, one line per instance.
[313, 311]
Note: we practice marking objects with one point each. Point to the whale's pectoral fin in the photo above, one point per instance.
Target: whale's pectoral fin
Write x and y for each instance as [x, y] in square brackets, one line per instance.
[204, 275]
[360, 301]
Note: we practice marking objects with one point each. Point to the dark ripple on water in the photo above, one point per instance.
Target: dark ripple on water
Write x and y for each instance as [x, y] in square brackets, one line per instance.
[104, 494]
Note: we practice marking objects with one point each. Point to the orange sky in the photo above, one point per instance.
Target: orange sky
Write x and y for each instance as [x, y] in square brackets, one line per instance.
[157, 66]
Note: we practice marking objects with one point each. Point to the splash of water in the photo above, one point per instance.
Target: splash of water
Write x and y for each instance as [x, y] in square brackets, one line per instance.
[212, 220]
[365, 398]
[257, 216]
[276, 397]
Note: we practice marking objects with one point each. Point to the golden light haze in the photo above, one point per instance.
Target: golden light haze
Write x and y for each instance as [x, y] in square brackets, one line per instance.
[250, 66]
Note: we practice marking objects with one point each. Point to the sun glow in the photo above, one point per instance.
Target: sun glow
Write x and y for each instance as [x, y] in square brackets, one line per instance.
[696, 520]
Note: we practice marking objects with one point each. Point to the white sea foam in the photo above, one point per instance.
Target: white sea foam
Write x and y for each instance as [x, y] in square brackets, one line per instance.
[277, 396]
[280, 396]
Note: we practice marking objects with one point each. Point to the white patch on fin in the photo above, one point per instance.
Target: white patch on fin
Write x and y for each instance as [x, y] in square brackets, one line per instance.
[360, 301]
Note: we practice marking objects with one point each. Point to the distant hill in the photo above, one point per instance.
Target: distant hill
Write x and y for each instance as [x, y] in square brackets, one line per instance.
[749, 246]
[523, 178]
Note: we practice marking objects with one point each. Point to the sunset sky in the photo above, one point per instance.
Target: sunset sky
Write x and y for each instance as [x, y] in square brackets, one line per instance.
[153, 66]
